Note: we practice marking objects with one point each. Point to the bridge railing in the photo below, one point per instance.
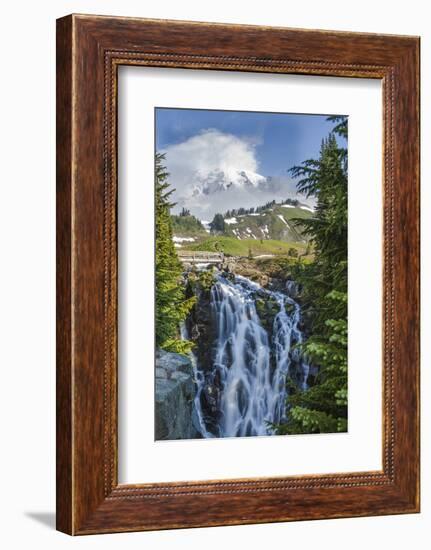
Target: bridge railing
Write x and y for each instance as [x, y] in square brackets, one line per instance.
[200, 256]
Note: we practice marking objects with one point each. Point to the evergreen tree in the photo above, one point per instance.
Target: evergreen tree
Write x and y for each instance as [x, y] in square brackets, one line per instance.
[323, 407]
[341, 125]
[186, 223]
[172, 307]
[218, 223]
[184, 212]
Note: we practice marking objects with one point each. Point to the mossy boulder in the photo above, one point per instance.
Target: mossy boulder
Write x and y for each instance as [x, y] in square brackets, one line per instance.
[267, 308]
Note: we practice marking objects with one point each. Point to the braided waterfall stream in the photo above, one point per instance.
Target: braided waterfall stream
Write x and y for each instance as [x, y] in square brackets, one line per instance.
[246, 381]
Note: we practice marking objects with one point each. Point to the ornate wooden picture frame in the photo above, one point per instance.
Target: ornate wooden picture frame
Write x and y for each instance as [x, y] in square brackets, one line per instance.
[89, 51]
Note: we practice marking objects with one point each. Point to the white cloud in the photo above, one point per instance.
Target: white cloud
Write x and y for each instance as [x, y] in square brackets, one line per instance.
[206, 152]
[215, 171]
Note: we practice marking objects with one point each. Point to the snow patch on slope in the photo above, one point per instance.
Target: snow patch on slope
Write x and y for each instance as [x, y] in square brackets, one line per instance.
[183, 239]
[282, 219]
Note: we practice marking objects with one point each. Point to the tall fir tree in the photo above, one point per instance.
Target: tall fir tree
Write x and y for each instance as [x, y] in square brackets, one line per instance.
[218, 223]
[172, 307]
[323, 407]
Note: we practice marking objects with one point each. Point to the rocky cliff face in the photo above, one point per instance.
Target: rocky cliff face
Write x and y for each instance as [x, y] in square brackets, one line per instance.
[175, 392]
[200, 323]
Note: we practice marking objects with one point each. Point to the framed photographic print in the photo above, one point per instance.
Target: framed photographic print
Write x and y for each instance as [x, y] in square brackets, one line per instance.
[237, 274]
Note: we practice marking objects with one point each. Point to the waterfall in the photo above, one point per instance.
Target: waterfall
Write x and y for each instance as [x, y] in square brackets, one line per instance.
[247, 379]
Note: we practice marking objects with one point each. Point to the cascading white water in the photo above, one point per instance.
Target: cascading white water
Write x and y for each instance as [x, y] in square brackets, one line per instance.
[252, 388]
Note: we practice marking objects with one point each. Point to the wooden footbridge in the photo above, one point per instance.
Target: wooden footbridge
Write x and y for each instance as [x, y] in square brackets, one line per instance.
[191, 258]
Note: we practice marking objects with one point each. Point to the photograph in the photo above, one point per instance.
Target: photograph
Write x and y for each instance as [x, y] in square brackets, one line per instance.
[251, 216]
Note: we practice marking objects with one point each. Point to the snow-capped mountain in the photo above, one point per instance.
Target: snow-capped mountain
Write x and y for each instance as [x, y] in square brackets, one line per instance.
[213, 171]
[217, 190]
[218, 180]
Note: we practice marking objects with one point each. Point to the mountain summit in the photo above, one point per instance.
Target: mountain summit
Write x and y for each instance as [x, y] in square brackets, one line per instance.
[219, 180]
[219, 189]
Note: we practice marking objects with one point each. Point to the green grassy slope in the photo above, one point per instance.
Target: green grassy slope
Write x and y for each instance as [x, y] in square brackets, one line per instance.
[187, 226]
[274, 223]
[235, 247]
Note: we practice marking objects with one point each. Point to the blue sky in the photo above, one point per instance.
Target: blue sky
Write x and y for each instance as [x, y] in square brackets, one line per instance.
[207, 154]
[281, 140]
